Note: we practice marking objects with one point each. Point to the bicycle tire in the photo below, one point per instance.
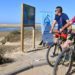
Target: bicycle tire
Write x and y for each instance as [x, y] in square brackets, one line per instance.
[59, 60]
[48, 59]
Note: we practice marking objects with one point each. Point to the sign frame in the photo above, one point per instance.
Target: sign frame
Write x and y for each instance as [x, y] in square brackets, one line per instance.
[24, 25]
[23, 5]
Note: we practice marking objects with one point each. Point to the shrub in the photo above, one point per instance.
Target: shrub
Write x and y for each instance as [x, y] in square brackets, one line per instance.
[12, 37]
[2, 52]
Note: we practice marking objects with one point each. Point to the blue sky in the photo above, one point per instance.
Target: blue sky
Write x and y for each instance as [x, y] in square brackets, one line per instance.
[10, 10]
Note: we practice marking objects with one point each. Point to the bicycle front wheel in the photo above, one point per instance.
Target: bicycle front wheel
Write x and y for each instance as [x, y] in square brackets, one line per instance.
[52, 54]
[63, 63]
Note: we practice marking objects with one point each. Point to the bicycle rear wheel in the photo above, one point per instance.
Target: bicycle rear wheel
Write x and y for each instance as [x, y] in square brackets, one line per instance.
[53, 50]
[63, 64]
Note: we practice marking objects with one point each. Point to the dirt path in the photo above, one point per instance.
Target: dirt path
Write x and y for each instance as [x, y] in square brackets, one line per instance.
[42, 70]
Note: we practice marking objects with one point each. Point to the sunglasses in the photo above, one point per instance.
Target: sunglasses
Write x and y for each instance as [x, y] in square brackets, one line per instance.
[56, 10]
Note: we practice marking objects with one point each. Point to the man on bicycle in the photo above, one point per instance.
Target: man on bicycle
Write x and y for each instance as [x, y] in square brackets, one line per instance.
[63, 23]
[61, 19]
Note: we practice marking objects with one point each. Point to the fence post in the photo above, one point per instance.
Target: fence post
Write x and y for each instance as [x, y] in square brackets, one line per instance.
[33, 36]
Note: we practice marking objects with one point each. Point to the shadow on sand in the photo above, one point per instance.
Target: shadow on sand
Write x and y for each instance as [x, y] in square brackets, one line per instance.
[39, 49]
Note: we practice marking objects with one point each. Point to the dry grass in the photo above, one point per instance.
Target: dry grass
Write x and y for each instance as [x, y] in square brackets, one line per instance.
[14, 37]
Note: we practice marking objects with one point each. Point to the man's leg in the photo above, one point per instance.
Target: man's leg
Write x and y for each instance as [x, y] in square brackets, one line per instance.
[66, 44]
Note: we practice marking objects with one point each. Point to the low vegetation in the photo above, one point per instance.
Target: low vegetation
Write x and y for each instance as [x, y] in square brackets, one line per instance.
[2, 52]
[14, 37]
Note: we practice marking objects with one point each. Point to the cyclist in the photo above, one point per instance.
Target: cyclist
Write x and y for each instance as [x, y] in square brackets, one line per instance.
[61, 19]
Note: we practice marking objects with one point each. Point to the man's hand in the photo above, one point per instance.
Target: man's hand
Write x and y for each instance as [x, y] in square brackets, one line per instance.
[61, 30]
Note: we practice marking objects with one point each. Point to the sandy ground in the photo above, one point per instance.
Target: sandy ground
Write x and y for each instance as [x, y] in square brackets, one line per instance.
[43, 70]
[31, 56]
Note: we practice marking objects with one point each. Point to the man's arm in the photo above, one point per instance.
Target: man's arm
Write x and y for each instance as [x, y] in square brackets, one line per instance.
[69, 24]
[53, 25]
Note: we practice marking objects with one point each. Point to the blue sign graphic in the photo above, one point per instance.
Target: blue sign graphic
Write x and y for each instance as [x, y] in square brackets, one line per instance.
[47, 36]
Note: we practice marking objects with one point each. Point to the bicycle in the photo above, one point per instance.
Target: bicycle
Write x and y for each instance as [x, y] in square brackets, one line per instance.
[55, 49]
[67, 53]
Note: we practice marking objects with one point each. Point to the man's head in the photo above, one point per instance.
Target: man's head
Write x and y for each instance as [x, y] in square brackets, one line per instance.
[58, 10]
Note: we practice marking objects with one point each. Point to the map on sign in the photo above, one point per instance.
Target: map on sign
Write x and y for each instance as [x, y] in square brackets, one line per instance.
[28, 15]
